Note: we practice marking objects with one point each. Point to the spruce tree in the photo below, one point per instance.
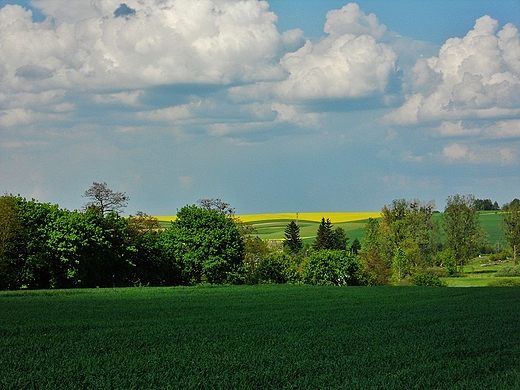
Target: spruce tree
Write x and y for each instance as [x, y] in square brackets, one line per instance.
[324, 236]
[293, 240]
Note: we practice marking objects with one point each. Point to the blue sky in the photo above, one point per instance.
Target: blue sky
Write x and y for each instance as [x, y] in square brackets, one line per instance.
[273, 106]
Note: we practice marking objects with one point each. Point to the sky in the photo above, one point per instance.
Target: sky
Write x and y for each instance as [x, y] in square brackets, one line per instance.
[271, 106]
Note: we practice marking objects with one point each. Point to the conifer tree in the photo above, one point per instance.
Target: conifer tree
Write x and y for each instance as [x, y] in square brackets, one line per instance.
[324, 236]
[293, 240]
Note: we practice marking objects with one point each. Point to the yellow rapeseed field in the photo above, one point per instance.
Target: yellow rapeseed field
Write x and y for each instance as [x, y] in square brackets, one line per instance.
[335, 217]
[165, 218]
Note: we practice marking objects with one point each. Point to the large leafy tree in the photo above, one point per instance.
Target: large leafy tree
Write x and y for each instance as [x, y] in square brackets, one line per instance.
[292, 239]
[10, 224]
[209, 245]
[512, 229]
[91, 250]
[408, 235]
[105, 200]
[462, 231]
[10, 232]
[377, 269]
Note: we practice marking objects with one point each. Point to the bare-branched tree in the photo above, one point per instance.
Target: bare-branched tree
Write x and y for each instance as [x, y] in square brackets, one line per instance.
[105, 200]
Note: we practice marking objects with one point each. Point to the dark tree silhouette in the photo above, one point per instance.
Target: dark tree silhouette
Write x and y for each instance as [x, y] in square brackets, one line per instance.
[105, 200]
[293, 240]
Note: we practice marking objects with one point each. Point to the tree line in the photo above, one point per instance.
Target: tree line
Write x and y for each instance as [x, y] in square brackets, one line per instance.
[45, 246]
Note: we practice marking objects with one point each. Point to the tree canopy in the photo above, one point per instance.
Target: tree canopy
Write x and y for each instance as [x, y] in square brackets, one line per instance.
[463, 233]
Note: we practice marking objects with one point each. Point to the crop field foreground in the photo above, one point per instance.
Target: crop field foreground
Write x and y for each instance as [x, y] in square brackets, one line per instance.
[261, 337]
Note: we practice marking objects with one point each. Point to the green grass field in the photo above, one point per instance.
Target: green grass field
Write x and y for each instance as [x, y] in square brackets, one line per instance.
[256, 337]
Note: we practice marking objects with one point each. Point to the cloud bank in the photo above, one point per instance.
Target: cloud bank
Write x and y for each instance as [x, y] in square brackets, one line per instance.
[105, 87]
[477, 76]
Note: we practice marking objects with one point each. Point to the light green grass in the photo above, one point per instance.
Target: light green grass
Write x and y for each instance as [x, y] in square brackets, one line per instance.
[259, 337]
[471, 281]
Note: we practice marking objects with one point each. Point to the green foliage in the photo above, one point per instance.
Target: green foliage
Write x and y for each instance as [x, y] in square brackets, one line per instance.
[508, 271]
[328, 237]
[501, 256]
[323, 235]
[462, 230]
[504, 283]
[447, 259]
[515, 203]
[293, 241]
[208, 244]
[277, 267]
[486, 204]
[339, 240]
[427, 279]
[400, 265]
[10, 231]
[376, 271]
[331, 267]
[355, 247]
[512, 229]
[404, 240]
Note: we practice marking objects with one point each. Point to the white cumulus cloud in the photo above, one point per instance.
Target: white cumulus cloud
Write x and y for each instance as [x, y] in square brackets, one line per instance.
[480, 154]
[348, 63]
[162, 42]
[477, 76]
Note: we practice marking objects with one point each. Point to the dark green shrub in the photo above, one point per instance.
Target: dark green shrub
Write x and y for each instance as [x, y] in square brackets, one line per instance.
[277, 268]
[504, 283]
[332, 267]
[500, 256]
[509, 271]
[427, 279]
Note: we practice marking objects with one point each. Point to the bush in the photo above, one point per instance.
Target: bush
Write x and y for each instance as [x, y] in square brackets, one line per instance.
[508, 271]
[500, 256]
[427, 279]
[332, 267]
[505, 283]
[277, 268]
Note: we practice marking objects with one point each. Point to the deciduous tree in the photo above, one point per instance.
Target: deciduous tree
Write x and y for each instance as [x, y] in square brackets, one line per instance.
[209, 244]
[105, 200]
[462, 231]
[512, 229]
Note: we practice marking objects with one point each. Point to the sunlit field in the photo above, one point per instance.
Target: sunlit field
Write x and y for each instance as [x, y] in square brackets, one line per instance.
[272, 226]
[335, 217]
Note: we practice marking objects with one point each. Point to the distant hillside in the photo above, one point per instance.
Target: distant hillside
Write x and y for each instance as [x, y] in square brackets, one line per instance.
[272, 226]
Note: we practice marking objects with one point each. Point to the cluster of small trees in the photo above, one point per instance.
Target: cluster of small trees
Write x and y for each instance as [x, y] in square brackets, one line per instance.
[44, 246]
[408, 242]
